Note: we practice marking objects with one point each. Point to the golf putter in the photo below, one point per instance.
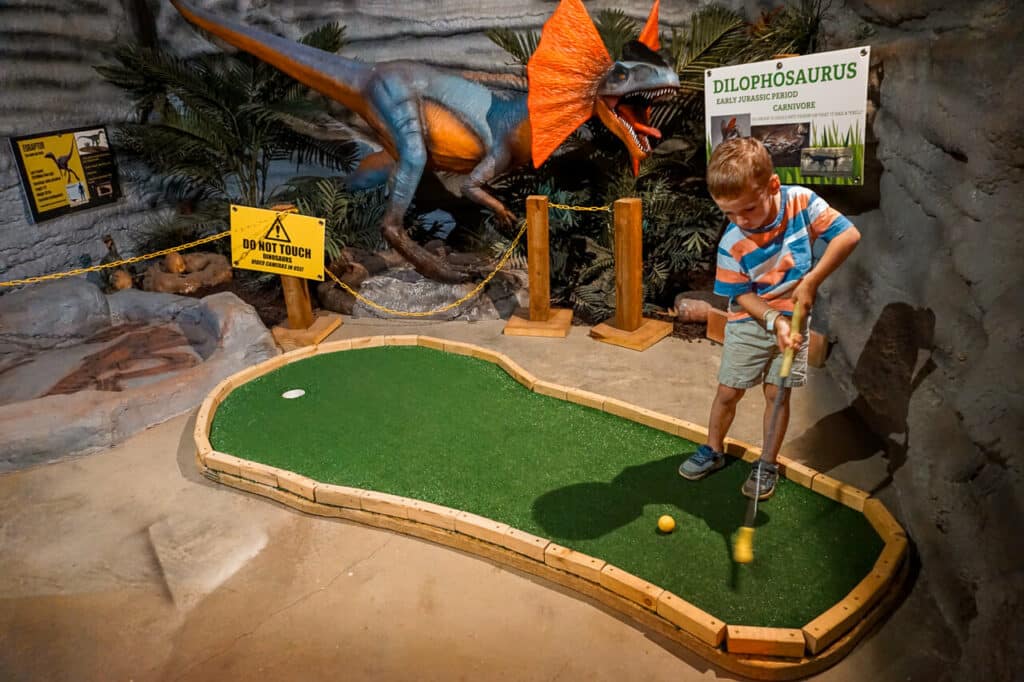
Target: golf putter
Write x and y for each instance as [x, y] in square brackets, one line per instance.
[743, 549]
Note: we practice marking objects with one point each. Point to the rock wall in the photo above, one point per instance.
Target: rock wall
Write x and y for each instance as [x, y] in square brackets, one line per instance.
[928, 311]
[47, 83]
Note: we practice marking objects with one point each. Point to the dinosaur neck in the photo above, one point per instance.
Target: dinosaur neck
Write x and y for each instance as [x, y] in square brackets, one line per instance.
[336, 77]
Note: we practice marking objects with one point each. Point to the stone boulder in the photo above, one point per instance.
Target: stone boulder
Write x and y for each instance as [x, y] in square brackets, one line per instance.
[52, 314]
[47, 419]
[406, 290]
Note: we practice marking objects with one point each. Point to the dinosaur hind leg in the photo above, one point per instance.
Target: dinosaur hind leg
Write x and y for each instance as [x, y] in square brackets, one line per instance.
[412, 159]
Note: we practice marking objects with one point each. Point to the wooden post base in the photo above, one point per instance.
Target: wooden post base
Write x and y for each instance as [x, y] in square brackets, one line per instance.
[290, 339]
[556, 326]
[717, 320]
[643, 337]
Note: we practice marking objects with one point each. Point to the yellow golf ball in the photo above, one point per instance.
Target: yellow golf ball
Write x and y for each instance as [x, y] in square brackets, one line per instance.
[666, 524]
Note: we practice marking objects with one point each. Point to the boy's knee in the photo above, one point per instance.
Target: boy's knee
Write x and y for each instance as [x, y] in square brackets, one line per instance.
[772, 390]
[729, 395]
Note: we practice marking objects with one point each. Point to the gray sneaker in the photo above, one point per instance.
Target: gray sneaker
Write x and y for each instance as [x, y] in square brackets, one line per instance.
[701, 463]
[769, 475]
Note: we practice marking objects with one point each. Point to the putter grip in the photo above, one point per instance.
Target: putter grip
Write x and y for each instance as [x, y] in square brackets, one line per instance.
[743, 550]
[787, 355]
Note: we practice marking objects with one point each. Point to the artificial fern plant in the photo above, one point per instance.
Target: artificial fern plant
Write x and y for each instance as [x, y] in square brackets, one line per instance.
[212, 129]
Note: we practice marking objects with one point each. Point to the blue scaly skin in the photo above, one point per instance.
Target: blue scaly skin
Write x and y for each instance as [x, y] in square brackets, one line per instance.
[427, 118]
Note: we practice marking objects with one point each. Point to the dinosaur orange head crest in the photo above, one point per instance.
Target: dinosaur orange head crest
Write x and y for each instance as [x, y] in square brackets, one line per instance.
[649, 36]
[572, 78]
[564, 74]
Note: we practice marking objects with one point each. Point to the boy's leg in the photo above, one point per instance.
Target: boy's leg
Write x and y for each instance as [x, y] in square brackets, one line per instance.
[723, 412]
[744, 356]
[711, 456]
[770, 451]
[764, 474]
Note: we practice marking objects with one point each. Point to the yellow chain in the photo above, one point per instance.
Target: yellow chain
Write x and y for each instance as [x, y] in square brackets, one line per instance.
[221, 235]
[581, 208]
[123, 261]
[401, 313]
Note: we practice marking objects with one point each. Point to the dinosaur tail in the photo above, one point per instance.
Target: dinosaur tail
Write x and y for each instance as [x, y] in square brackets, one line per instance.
[336, 77]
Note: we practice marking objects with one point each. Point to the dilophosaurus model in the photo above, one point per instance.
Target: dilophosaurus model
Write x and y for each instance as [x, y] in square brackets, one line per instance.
[426, 118]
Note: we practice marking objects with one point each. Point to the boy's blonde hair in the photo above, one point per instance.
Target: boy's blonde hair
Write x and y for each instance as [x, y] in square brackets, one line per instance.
[738, 165]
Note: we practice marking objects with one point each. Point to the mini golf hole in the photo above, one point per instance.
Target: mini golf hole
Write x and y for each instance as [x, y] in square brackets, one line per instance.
[293, 394]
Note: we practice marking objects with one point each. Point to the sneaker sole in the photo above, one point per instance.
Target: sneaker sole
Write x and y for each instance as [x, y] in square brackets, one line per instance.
[764, 496]
[696, 477]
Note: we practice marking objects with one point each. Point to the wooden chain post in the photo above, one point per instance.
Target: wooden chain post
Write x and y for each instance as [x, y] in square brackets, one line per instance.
[630, 329]
[541, 319]
[538, 258]
[629, 264]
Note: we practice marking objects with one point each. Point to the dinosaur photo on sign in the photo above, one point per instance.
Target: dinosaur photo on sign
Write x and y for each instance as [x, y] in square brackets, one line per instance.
[427, 118]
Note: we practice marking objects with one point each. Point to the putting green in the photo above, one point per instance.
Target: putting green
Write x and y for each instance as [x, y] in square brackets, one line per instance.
[460, 432]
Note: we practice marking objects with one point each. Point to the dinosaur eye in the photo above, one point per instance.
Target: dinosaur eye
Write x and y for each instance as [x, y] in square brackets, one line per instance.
[619, 73]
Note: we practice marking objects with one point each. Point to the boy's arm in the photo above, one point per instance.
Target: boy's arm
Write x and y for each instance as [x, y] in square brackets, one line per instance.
[756, 307]
[838, 249]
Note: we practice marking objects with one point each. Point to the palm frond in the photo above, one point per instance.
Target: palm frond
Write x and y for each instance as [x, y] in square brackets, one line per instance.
[329, 37]
[717, 37]
[520, 46]
[616, 30]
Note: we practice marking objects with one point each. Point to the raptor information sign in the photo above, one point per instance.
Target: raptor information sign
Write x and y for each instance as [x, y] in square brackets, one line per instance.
[277, 241]
[66, 171]
[810, 113]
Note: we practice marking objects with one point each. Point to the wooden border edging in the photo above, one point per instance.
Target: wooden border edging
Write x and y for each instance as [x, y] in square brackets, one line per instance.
[761, 653]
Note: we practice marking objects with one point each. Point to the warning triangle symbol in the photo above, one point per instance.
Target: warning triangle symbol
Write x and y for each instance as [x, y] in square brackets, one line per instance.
[277, 233]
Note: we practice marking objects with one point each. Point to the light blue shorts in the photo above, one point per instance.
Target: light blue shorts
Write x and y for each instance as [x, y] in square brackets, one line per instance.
[752, 356]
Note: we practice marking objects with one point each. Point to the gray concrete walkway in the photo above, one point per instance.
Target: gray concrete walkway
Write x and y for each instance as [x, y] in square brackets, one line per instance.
[128, 565]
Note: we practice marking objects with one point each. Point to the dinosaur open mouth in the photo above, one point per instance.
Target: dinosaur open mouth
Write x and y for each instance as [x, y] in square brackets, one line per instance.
[633, 111]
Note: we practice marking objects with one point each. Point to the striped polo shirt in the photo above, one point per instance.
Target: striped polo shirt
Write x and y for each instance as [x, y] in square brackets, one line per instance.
[770, 260]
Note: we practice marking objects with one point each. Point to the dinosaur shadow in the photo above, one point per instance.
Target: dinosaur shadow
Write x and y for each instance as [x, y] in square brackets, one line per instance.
[886, 375]
[589, 510]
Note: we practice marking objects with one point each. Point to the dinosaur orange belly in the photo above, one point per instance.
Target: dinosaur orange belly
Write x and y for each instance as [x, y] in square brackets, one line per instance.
[451, 144]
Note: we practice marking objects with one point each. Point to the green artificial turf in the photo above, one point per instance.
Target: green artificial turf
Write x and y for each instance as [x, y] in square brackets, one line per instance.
[460, 432]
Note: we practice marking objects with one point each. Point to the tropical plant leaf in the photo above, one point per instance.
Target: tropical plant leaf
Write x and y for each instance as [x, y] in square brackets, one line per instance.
[616, 30]
[520, 46]
[717, 36]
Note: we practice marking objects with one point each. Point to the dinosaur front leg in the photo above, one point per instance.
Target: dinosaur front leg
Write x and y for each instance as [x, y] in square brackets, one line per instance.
[473, 187]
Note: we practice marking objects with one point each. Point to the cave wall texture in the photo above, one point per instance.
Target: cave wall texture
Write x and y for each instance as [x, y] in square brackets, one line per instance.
[927, 313]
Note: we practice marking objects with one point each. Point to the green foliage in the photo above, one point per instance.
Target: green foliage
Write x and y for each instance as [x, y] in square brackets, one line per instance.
[520, 46]
[794, 28]
[616, 29]
[352, 218]
[681, 223]
[211, 128]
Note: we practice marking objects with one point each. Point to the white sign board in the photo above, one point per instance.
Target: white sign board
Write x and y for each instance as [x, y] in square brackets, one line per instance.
[808, 111]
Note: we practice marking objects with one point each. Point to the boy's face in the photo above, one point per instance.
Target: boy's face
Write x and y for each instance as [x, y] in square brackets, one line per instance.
[754, 208]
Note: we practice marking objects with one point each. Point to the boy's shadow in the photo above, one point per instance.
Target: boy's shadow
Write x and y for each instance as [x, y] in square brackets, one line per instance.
[886, 376]
[586, 511]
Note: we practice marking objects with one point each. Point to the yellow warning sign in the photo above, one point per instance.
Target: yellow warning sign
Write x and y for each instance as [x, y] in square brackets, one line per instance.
[279, 242]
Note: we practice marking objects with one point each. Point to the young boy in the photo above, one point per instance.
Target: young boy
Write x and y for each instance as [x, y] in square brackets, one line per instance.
[765, 268]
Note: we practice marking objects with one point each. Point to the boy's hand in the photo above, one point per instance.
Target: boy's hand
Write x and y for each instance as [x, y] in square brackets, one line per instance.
[785, 336]
[805, 293]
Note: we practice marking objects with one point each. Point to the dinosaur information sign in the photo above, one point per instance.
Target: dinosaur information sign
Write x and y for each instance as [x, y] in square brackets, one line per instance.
[66, 171]
[809, 112]
[280, 242]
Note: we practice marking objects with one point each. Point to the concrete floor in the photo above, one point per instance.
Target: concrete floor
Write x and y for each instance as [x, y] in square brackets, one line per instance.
[129, 565]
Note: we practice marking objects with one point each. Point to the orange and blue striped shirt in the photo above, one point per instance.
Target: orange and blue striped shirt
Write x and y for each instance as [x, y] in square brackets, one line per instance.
[771, 260]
